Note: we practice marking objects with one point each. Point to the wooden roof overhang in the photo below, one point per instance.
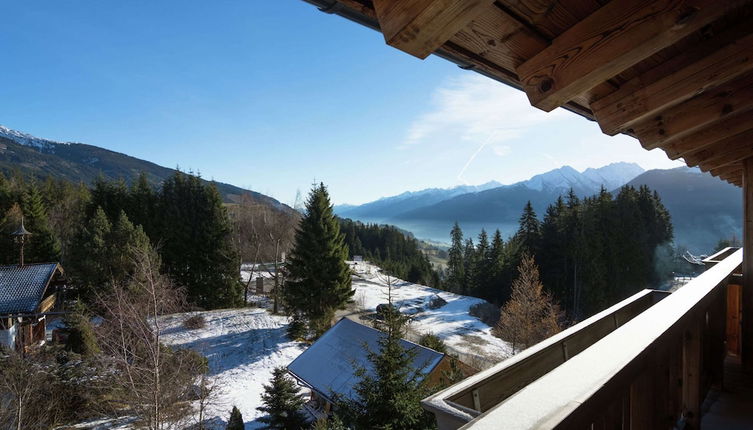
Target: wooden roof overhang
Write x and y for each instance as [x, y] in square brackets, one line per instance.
[676, 75]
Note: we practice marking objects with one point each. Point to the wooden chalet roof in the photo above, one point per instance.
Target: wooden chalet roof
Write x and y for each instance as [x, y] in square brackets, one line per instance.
[23, 287]
[676, 75]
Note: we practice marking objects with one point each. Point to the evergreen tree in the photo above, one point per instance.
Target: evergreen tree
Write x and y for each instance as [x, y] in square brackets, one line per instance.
[389, 396]
[81, 338]
[481, 274]
[235, 422]
[529, 232]
[43, 245]
[455, 264]
[104, 253]
[319, 279]
[196, 243]
[282, 403]
[469, 267]
[495, 289]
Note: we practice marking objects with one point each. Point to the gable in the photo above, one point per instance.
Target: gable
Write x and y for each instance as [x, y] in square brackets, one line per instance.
[22, 287]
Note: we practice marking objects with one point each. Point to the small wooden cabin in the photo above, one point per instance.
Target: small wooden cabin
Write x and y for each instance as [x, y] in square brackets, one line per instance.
[27, 293]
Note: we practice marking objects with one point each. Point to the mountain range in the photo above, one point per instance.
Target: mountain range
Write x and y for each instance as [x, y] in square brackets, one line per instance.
[39, 158]
[703, 208]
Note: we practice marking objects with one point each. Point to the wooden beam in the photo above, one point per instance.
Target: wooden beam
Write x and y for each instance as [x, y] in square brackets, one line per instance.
[420, 27]
[699, 111]
[500, 38]
[747, 296]
[727, 172]
[648, 94]
[612, 39]
[728, 127]
[726, 151]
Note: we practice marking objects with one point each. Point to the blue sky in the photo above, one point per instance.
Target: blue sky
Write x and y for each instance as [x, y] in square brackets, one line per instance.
[274, 96]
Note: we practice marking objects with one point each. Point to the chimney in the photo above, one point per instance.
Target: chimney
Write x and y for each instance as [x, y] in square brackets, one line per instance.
[20, 237]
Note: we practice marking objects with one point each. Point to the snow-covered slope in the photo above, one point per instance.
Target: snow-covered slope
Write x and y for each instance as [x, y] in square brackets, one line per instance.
[29, 140]
[243, 346]
[466, 335]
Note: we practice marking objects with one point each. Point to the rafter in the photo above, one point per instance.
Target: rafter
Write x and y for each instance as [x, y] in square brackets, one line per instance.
[722, 153]
[700, 111]
[649, 94]
[726, 128]
[420, 27]
[612, 39]
[728, 172]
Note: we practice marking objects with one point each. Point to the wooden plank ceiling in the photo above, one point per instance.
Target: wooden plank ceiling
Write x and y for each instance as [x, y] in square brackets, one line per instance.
[677, 75]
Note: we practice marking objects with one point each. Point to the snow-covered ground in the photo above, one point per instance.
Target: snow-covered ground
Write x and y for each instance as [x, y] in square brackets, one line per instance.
[463, 333]
[243, 346]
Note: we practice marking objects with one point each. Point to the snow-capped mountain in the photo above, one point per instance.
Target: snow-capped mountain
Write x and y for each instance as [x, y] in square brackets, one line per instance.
[434, 202]
[45, 145]
[390, 206]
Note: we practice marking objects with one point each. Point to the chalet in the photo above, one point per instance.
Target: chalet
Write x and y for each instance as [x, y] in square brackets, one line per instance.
[27, 293]
[328, 367]
[677, 75]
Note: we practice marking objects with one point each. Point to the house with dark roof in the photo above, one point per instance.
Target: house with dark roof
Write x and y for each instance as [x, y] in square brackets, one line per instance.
[328, 367]
[27, 294]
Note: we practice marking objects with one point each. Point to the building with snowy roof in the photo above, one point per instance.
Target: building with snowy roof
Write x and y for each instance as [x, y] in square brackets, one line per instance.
[27, 293]
[328, 367]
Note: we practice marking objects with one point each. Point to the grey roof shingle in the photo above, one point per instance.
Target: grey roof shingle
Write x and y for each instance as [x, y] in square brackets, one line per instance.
[329, 365]
[21, 288]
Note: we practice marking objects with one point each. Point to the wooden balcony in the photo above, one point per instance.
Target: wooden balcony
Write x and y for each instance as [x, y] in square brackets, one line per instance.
[647, 362]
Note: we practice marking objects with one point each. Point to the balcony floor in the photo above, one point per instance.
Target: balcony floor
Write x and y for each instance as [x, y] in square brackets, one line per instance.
[733, 408]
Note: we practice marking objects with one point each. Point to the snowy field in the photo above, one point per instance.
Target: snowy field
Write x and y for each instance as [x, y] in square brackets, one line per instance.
[463, 333]
[243, 346]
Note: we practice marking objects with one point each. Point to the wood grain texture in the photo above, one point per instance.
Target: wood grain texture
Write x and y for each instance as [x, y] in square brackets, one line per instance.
[647, 97]
[420, 27]
[722, 153]
[727, 127]
[612, 39]
[706, 108]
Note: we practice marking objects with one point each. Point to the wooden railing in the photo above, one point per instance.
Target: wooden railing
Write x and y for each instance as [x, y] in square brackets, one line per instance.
[652, 372]
[460, 403]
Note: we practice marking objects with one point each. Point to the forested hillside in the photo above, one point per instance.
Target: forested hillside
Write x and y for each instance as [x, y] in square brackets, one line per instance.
[592, 252]
[77, 162]
[391, 249]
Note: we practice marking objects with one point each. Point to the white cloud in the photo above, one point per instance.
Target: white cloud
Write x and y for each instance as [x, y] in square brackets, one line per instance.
[473, 108]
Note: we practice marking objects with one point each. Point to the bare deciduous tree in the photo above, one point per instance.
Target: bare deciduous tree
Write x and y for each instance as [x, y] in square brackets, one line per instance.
[530, 315]
[263, 234]
[148, 379]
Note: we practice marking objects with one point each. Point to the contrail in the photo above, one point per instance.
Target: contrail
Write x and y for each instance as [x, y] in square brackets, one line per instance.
[473, 157]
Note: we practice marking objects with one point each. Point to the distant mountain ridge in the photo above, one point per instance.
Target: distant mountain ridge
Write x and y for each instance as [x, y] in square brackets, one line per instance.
[435, 202]
[39, 158]
[703, 208]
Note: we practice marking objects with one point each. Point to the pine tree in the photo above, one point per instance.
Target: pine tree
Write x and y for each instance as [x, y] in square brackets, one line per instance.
[43, 246]
[495, 289]
[196, 243]
[389, 396]
[481, 274]
[469, 267]
[235, 422]
[530, 315]
[318, 278]
[455, 264]
[282, 403]
[529, 232]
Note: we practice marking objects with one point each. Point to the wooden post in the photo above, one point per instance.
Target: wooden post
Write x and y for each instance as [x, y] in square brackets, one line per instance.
[691, 373]
[747, 295]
